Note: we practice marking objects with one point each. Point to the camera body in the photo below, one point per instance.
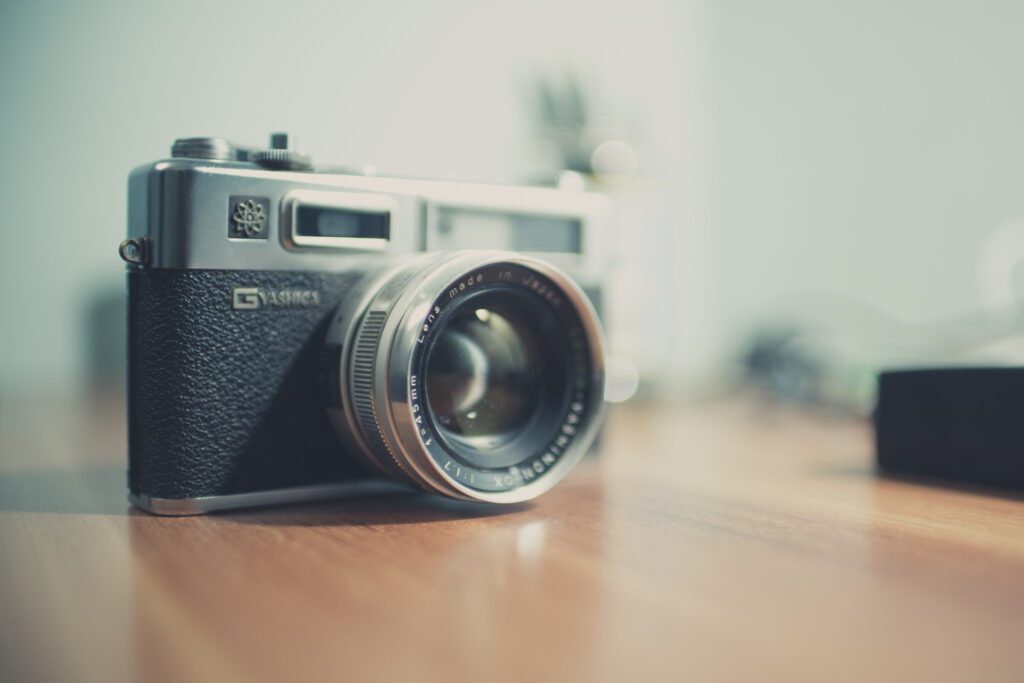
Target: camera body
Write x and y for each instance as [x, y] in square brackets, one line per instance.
[248, 274]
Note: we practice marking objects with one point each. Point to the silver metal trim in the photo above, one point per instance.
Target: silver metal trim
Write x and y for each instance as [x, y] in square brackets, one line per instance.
[182, 206]
[181, 507]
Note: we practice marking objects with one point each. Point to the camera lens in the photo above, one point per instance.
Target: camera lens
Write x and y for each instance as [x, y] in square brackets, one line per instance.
[476, 375]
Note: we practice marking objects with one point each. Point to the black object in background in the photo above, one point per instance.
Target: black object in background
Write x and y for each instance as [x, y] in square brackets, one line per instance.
[964, 424]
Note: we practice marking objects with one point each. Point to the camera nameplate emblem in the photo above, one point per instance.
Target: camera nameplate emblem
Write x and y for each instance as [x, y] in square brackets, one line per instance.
[249, 217]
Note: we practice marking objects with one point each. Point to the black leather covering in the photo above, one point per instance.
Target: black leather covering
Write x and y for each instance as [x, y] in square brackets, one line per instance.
[227, 401]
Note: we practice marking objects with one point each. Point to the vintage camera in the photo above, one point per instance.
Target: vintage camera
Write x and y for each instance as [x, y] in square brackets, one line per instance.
[298, 333]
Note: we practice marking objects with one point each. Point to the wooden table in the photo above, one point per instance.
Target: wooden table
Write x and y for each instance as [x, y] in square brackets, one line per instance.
[719, 542]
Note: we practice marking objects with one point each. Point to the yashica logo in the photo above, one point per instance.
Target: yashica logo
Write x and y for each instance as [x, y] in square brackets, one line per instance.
[252, 298]
[245, 298]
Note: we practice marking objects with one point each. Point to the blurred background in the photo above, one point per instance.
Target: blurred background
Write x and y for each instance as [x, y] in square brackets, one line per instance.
[804, 191]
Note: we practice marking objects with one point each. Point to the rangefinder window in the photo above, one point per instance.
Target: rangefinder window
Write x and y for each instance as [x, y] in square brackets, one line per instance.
[340, 219]
[460, 228]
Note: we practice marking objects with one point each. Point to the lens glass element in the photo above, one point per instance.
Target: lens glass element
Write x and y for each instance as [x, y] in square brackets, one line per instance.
[497, 376]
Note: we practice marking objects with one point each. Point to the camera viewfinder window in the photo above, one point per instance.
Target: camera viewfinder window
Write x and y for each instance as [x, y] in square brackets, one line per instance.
[321, 221]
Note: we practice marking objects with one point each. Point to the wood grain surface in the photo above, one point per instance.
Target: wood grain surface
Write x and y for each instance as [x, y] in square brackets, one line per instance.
[713, 542]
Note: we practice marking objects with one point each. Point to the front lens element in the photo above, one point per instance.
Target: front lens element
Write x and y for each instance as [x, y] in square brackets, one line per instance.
[497, 376]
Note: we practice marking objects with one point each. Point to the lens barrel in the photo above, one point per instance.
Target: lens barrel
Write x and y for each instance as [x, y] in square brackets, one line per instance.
[475, 375]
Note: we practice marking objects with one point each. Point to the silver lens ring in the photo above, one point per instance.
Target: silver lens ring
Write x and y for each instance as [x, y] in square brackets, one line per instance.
[387, 334]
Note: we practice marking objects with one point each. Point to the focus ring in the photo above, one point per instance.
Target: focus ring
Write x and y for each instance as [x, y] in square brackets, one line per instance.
[364, 359]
